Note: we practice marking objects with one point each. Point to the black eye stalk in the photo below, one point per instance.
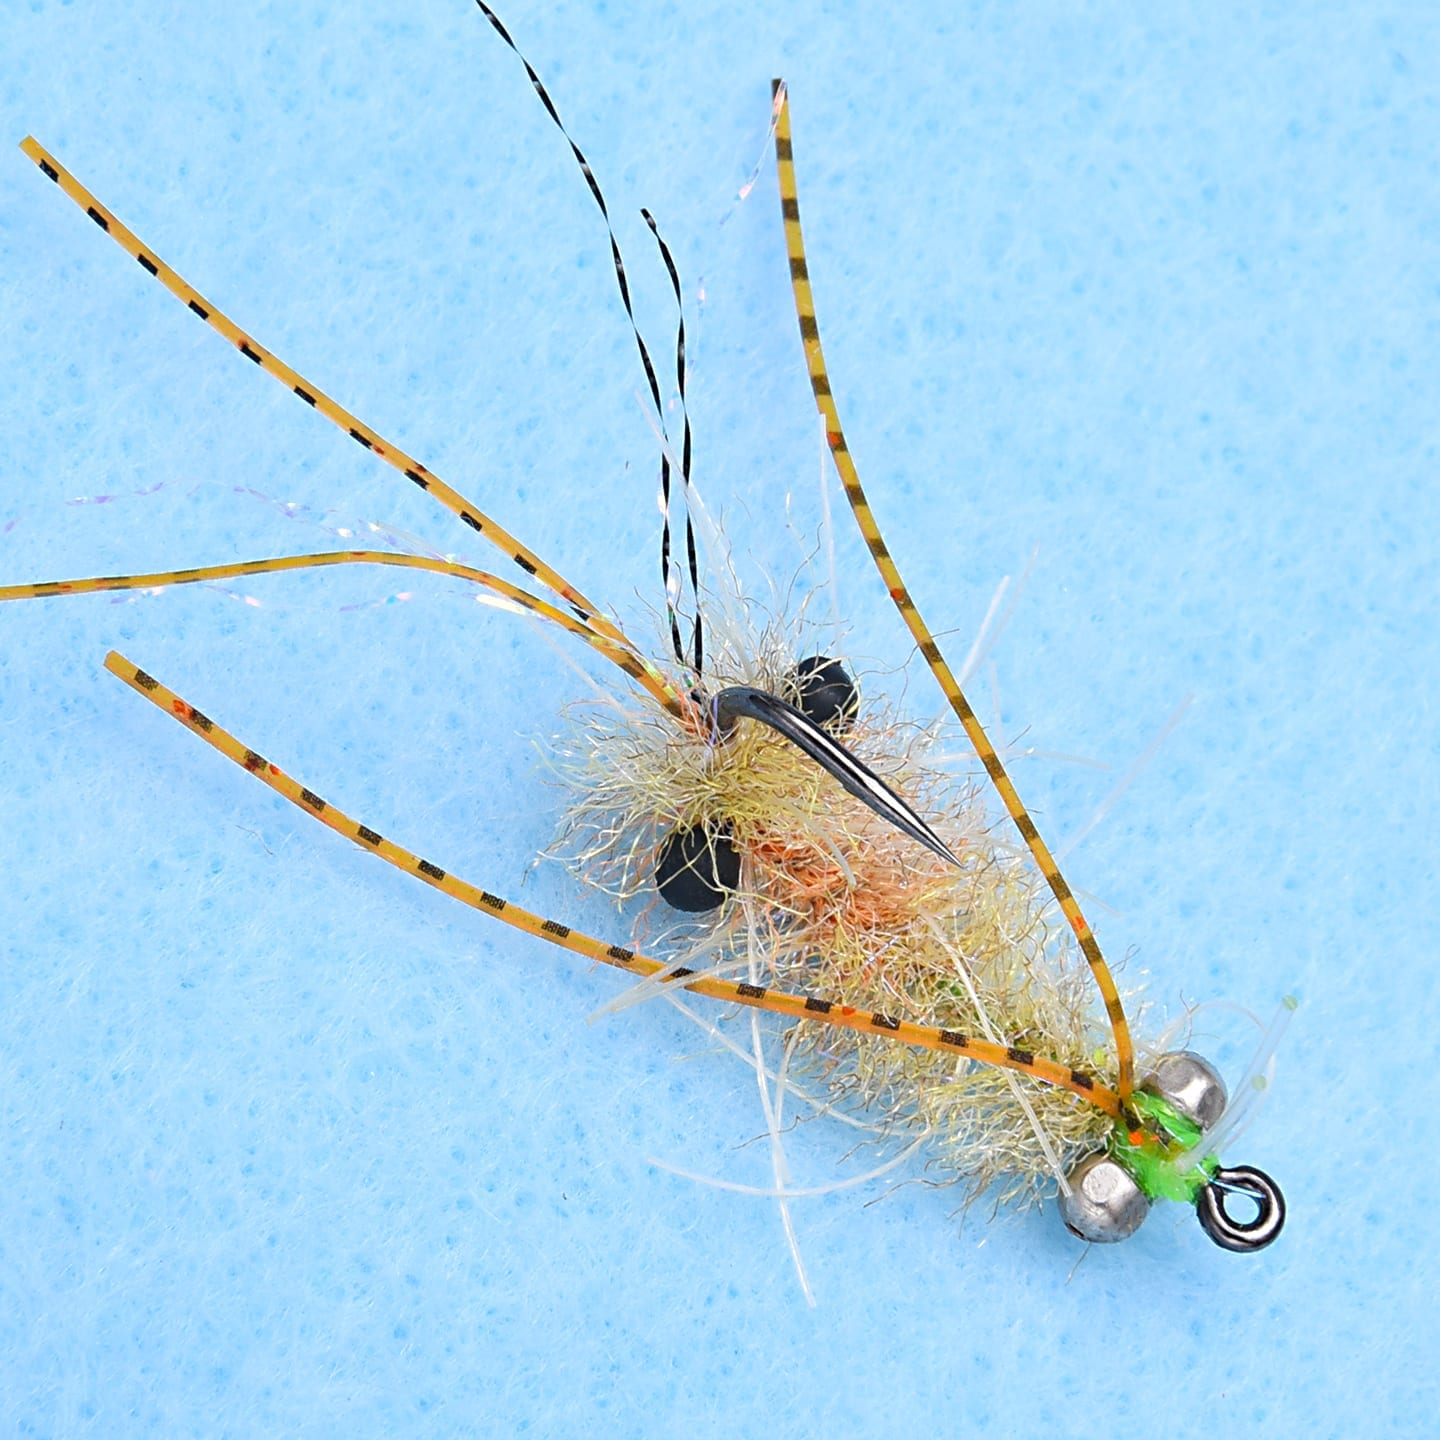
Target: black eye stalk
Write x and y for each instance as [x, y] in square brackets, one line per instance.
[827, 694]
[697, 868]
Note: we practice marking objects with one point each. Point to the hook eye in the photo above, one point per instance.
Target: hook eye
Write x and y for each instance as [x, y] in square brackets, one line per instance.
[1241, 1236]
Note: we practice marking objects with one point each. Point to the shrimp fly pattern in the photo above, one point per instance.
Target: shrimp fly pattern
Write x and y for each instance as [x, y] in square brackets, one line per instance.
[820, 863]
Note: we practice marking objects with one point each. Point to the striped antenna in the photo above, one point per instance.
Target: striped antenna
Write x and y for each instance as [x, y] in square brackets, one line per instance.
[798, 1007]
[697, 636]
[586, 610]
[646, 363]
[849, 477]
[639, 670]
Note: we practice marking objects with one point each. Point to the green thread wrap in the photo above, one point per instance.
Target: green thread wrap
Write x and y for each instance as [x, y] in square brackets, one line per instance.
[1164, 1136]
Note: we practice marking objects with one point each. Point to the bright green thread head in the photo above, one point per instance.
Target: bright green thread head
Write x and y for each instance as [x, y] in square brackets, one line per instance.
[1150, 1148]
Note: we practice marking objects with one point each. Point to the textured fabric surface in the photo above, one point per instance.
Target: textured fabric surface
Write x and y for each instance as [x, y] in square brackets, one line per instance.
[293, 1146]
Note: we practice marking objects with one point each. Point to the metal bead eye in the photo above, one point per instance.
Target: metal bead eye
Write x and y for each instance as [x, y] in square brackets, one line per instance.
[1241, 1236]
[1104, 1204]
[1191, 1084]
[827, 693]
[696, 868]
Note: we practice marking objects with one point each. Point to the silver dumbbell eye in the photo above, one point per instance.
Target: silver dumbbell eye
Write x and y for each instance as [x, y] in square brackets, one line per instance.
[1104, 1204]
[1191, 1084]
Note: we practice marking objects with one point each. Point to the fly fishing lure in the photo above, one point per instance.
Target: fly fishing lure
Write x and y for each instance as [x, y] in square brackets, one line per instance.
[827, 867]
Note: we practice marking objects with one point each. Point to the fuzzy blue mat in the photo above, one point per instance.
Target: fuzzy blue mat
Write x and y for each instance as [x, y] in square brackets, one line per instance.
[290, 1145]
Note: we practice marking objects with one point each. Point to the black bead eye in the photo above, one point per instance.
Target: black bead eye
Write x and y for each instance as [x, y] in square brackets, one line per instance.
[827, 695]
[697, 868]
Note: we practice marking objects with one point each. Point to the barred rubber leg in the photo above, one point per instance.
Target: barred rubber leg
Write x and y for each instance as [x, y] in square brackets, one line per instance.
[640, 671]
[850, 479]
[318, 400]
[797, 1007]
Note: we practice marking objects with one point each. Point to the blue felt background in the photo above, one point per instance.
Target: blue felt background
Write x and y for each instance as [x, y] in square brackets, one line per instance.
[288, 1144]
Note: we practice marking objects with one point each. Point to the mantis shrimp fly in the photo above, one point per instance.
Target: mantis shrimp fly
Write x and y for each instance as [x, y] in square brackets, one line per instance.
[813, 857]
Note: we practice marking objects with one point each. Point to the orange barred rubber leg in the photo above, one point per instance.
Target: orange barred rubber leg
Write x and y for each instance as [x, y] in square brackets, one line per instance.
[798, 1007]
[317, 399]
[879, 552]
[639, 670]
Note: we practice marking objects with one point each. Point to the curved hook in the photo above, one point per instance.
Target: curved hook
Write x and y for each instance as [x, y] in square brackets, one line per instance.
[1241, 1236]
[737, 701]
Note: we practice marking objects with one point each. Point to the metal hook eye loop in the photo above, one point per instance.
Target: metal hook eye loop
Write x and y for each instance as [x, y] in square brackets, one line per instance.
[1243, 1237]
